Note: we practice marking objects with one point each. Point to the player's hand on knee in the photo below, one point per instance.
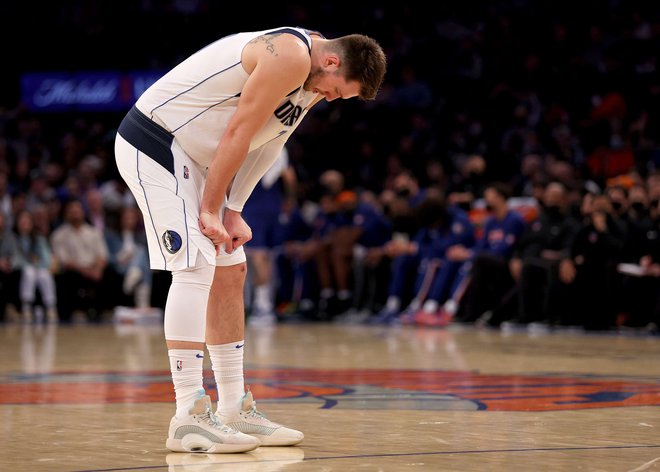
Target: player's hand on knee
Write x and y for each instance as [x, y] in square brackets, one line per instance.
[212, 228]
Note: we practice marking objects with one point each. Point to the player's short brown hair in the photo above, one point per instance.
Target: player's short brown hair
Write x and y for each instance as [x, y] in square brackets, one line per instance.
[363, 61]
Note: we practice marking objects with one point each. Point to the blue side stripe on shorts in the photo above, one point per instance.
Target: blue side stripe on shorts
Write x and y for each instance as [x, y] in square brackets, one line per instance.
[146, 200]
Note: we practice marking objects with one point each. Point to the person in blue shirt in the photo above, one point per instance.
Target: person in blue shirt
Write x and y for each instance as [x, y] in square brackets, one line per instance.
[419, 259]
[485, 277]
[445, 274]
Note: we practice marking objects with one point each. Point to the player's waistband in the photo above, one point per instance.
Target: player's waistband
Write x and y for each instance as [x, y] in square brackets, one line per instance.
[148, 137]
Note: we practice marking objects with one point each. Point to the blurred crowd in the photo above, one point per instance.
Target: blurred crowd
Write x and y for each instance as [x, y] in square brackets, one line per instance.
[507, 174]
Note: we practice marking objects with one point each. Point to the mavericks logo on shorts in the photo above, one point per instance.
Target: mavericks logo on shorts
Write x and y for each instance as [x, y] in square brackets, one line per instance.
[172, 241]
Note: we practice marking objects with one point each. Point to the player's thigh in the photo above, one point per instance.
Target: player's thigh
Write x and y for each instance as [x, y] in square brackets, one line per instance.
[169, 203]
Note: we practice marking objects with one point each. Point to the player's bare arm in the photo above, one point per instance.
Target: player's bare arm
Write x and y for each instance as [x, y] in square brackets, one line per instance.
[277, 64]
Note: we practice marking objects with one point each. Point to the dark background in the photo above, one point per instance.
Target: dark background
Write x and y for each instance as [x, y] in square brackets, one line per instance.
[458, 74]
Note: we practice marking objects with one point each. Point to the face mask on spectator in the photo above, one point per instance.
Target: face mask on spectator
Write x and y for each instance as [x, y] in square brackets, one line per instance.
[465, 206]
[403, 192]
[639, 207]
[617, 206]
[554, 211]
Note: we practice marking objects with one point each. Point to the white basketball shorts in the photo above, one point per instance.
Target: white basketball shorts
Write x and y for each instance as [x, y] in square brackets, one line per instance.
[167, 185]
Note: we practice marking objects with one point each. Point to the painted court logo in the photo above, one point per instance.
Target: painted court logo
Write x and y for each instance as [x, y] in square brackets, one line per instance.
[171, 241]
[371, 389]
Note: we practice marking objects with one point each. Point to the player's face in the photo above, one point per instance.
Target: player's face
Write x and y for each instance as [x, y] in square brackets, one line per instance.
[332, 85]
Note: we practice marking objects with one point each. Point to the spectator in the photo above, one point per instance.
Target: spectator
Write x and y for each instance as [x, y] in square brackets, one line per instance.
[81, 255]
[639, 222]
[297, 285]
[366, 234]
[9, 266]
[486, 279]
[354, 223]
[128, 259]
[641, 287]
[418, 260]
[596, 251]
[468, 185]
[36, 269]
[406, 185]
[95, 210]
[541, 264]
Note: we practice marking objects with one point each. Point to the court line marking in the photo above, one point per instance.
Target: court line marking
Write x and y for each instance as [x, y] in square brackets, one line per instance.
[646, 465]
[395, 454]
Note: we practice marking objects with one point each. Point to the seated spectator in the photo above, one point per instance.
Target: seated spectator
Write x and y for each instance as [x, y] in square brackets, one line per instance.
[36, 269]
[484, 280]
[9, 267]
[296, 271]
[81, 255]
[469, 183]
[351, 223]
[639, 222]
[541, 264]
[406, 185]
[416, 261]
[128, 259]
[641, 280]
[596, 251]
[363, 240]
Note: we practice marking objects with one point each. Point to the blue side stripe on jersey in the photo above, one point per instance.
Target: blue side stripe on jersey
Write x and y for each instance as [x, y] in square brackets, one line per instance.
[194, 86]
[204, 111]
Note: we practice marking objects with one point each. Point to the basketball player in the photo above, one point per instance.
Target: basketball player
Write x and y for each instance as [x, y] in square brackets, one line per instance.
[192, 150]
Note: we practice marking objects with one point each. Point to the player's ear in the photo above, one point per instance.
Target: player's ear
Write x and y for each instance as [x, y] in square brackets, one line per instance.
[331, 62]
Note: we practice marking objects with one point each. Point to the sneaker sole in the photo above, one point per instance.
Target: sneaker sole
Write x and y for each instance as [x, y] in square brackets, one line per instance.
[201, 444]
[270, 441]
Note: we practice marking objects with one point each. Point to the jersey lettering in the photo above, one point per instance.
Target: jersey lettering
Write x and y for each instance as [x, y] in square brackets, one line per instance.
[288, 113]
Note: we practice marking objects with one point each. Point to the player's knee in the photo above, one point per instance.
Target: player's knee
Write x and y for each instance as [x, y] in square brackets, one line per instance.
[231, 276]
[202, 276]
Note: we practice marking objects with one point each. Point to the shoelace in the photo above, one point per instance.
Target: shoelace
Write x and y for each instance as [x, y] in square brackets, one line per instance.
[213, 420]
[256, 413]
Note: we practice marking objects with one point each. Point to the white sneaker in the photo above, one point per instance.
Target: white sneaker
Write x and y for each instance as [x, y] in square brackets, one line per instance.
[251, 421]
[202, 431]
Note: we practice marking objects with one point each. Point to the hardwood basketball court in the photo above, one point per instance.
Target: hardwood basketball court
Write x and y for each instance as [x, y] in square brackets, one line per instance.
[99, 398]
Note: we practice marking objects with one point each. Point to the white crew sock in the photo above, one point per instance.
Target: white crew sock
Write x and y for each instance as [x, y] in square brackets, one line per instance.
[227, 363]
[186, 366]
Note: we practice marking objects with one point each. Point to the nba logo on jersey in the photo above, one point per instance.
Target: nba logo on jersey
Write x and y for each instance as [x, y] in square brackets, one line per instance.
[179, 365]
[186, 172]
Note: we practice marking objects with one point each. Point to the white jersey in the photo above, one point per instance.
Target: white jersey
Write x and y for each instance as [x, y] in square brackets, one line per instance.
[198, 97]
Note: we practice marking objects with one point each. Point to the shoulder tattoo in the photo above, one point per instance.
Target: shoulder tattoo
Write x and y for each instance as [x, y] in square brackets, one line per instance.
[267, 40]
